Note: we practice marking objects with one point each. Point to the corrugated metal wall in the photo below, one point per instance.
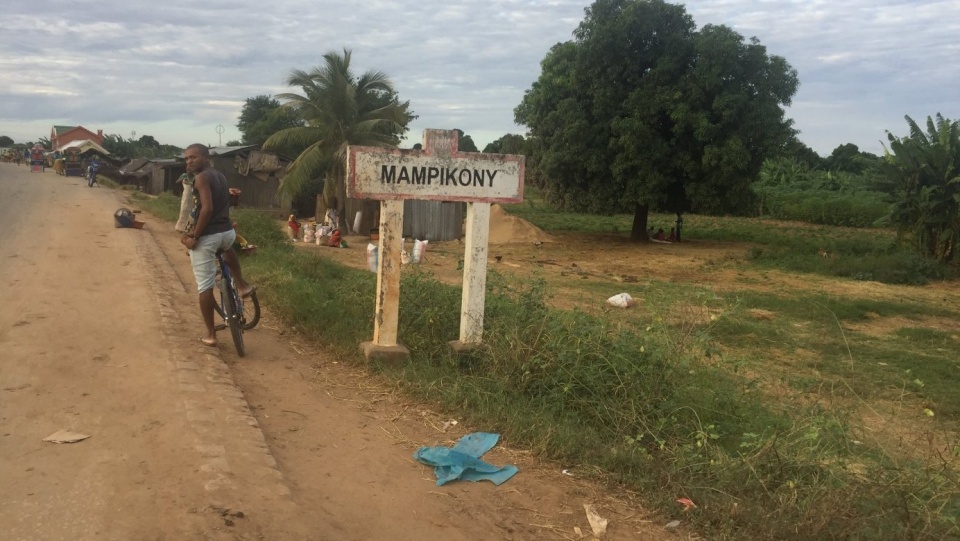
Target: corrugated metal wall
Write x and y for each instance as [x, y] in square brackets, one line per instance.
[369, 219]
[430, 220]
[433, 220]
[256, 193]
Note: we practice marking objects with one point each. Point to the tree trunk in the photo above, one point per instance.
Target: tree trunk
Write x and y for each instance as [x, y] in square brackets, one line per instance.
[679, 227]
[639, 231]
[342, 206]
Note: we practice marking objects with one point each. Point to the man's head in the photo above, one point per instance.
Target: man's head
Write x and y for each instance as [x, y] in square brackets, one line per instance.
[196, 156]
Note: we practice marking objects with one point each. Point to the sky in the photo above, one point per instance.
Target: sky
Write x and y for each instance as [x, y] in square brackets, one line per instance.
[176, 70]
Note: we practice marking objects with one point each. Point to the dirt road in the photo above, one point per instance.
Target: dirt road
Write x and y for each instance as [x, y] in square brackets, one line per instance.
[99, 336]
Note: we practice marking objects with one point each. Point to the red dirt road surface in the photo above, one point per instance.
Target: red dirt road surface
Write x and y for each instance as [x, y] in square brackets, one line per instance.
[98, 335]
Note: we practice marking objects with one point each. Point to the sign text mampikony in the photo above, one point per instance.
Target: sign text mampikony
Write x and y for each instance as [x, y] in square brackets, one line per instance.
[379, 173]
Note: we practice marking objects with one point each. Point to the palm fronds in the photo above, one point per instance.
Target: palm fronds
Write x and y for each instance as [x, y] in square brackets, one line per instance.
[339, 109]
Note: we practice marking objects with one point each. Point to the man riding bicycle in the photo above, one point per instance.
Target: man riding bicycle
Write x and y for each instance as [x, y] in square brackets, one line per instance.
[208, 231]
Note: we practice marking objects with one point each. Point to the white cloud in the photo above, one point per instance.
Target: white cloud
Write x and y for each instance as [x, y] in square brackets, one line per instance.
[177, 69]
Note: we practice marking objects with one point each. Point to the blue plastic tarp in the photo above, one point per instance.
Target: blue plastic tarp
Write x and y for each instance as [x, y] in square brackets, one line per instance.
[462, 461]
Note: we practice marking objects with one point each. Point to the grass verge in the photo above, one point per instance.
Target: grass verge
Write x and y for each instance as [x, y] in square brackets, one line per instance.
[650, 403]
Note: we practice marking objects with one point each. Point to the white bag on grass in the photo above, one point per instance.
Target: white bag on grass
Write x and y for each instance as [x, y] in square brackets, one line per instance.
[419, 249]
[621, 300]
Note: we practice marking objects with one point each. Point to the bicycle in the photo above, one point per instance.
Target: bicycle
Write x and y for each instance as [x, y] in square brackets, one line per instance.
[231, 306]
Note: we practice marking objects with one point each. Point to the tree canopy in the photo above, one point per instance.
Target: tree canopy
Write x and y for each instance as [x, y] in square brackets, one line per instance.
[643, 111]
[924, 168]
[850, 159]
[339, 109]
[144, 147]
[465, 142]
[510, 143]
[6, 141]
[263, 116]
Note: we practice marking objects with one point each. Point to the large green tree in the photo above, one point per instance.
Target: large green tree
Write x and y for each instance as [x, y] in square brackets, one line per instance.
[465, 142]
[263, 116]
[339, 109]
[145, 147]
[643, 111]
[510, 143]
[924, 168]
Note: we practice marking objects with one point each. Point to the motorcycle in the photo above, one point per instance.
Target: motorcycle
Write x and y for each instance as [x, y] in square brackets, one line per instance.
[92, 173]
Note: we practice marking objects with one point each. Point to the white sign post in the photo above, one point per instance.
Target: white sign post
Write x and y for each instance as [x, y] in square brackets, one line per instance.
[439, 173]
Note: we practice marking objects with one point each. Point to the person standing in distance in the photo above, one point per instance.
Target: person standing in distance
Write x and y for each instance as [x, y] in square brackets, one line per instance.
[209, 229]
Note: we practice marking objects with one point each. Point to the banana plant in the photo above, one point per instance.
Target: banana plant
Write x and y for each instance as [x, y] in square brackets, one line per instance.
[925, 168]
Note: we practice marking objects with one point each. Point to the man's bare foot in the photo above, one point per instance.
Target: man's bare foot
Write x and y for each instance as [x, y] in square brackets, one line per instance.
[207, 341]
[244, 293]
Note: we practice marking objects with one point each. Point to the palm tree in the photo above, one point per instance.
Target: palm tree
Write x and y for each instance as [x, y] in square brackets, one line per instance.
[925, 168]
[339, 110]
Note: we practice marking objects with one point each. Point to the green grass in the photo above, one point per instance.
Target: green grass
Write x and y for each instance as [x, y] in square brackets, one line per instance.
[663, 398]
[165, 205]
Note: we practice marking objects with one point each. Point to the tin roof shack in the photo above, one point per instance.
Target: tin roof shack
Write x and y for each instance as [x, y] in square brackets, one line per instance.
[255, 172]
[164, 175]
[153, 176]
[137, 173]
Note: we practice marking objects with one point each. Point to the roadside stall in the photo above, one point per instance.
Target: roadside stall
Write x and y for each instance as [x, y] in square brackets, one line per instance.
[71, 163]
[37, 163]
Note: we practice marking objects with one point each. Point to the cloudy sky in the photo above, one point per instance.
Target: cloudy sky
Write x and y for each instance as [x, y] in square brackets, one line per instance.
[176, 69]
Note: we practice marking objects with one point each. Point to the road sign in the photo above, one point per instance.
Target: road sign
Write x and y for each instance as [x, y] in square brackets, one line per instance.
[439, 173]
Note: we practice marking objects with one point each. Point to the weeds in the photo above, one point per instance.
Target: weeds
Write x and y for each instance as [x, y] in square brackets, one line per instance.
[645, 406]
[659, 402]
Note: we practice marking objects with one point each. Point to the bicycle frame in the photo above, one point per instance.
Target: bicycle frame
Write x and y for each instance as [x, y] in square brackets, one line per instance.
[231, 303]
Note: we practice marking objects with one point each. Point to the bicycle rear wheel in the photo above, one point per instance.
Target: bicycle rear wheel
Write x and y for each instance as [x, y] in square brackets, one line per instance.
[228, 304]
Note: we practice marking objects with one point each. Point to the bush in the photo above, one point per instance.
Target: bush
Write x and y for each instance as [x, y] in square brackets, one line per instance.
[853, 258]
[825, 207]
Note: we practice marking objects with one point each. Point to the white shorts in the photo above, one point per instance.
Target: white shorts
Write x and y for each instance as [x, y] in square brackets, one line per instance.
[203, 257]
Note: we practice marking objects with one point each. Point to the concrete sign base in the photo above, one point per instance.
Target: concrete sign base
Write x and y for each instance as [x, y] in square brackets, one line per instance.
[385, 354]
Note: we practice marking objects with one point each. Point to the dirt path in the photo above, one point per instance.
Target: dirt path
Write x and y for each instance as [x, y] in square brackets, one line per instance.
[92, 340]
[98, 336]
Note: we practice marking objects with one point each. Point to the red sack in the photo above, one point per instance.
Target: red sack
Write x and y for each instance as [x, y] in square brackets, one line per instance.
[334, 238]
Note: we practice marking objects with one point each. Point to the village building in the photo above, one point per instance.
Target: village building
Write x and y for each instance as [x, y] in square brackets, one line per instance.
[255, 172]
[60, 136]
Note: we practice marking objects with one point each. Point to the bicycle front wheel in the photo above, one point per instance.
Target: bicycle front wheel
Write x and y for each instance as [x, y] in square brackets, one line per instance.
[229, 306]
[251, 306]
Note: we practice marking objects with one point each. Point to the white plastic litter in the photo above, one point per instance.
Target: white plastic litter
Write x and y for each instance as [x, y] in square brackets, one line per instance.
[621, 300]
[597, 523]
[65, 436]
